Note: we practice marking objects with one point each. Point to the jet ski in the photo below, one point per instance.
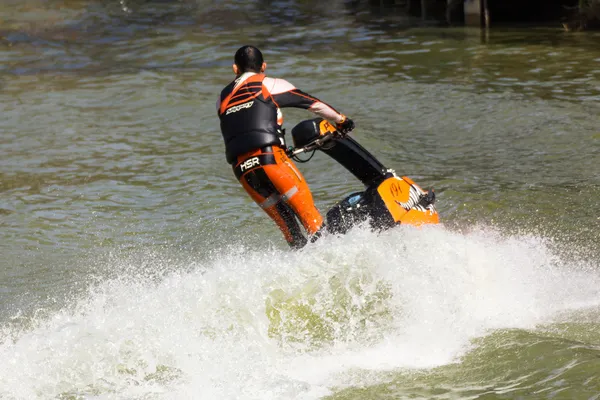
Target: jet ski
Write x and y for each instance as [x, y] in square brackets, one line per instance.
[388, 200]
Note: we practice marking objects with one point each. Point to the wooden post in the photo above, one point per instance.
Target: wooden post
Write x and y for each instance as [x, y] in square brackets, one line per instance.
[486, 14]
[477, 13]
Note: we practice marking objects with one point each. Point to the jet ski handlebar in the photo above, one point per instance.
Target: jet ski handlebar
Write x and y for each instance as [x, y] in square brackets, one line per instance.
[314, 145]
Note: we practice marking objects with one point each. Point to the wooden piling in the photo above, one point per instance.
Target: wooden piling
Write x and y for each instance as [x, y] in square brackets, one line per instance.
[477, 13]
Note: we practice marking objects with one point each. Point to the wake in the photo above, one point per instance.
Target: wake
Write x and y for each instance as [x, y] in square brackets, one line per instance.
[277, 324]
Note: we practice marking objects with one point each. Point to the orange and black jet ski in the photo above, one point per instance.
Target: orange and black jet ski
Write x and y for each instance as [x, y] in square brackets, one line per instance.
[388, 200]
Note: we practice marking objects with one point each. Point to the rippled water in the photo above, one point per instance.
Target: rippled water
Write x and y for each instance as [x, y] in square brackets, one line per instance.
[134, 266]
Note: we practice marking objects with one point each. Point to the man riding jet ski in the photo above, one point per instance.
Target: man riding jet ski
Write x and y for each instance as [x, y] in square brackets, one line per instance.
[249, 110]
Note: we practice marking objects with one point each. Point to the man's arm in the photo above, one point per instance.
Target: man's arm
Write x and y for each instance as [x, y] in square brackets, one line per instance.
[284, 94]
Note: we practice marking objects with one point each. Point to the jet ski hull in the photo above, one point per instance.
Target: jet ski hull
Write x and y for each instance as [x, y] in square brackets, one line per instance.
[388, 200]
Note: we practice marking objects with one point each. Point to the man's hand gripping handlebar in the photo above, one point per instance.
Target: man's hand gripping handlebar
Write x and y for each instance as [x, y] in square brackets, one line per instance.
[345, 126]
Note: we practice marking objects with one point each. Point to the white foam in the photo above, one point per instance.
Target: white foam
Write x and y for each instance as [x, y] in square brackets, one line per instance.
[205, 334]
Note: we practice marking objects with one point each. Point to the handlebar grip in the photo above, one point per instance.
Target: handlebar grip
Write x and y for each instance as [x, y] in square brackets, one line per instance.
[314, 145]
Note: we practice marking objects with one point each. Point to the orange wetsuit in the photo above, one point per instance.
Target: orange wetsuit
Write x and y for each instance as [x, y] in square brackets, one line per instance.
[251, 124]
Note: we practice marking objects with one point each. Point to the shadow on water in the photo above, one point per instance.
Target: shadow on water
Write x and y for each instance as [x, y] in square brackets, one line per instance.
[128, 36]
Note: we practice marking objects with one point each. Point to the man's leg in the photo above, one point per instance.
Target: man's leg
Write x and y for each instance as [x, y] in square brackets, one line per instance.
[259, 186]
[294, 190]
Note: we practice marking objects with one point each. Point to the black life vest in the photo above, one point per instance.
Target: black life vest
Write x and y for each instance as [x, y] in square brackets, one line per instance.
[248, 117]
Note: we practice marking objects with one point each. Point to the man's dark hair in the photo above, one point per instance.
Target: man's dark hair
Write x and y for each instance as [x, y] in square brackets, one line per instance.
[248, 59]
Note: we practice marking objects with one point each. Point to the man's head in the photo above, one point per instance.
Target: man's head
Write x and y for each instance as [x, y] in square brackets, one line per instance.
[248, 59]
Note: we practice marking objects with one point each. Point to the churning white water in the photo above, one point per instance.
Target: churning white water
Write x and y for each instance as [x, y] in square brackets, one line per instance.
[293, 325]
